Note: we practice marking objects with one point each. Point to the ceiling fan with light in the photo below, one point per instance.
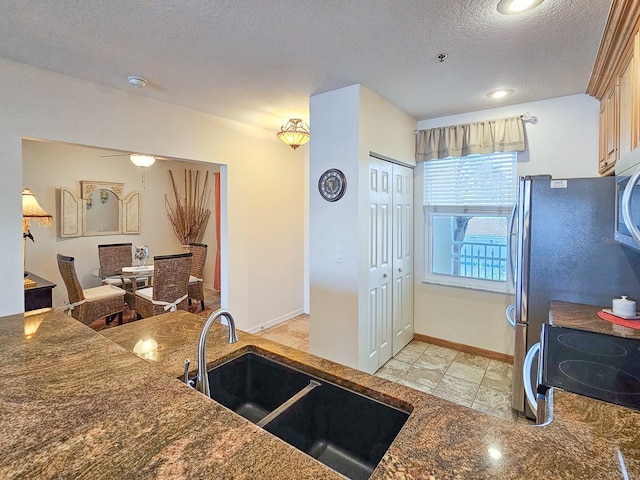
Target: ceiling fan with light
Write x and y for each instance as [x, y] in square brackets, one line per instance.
[139, 160]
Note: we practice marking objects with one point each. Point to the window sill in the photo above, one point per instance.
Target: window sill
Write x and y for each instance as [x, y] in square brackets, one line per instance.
[502, 291]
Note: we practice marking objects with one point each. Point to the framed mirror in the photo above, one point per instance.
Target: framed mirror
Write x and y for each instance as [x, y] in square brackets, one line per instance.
[102, 209]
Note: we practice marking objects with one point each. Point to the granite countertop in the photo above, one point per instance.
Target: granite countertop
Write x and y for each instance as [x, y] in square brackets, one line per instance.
[585, 317]
[79, 404]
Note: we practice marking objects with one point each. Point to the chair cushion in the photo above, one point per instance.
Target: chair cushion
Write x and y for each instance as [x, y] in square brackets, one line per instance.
[117, 282]
[104, 291]
[146, 293]
[193, 279]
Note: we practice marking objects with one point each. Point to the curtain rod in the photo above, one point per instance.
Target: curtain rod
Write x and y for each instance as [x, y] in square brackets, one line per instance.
[526, 117]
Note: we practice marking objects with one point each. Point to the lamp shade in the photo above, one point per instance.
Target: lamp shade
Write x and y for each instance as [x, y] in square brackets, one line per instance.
[142, 160]
[294, 133]
[31, 209]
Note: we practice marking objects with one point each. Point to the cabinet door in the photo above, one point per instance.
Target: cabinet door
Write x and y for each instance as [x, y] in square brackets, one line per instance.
[635, 93]
[626, 80]
[609, 130]
[602, 137]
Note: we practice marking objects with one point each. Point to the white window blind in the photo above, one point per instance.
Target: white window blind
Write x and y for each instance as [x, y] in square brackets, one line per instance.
[471, 181]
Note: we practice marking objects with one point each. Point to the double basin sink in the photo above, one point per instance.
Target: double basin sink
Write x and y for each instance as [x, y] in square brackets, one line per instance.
[340, 428]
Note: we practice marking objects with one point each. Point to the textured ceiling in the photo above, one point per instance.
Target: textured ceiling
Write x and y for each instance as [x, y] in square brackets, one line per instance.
[258, 61]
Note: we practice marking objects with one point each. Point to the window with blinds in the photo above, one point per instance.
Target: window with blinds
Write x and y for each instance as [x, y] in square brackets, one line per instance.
[473, 181]
[467, 204]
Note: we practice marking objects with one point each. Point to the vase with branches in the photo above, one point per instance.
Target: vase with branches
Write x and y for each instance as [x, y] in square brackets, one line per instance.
[190, 213]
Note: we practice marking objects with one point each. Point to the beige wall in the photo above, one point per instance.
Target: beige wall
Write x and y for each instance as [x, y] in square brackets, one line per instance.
[263, 235]
[348, 124]
[563, 143]
[47, 166]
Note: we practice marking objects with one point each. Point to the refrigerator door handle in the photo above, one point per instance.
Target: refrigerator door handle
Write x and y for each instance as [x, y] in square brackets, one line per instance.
[510, 252]
[627, 197]
[510, 313]
[522, 250]
[527, 367]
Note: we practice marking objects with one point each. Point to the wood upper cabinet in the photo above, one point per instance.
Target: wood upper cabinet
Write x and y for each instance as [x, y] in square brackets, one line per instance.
[609, 131]
[627, 104]
[614, 81]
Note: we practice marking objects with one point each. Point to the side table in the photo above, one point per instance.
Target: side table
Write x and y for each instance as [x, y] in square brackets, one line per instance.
[38, 296]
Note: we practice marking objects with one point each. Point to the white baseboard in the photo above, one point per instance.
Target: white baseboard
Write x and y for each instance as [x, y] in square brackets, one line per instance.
[276, 321]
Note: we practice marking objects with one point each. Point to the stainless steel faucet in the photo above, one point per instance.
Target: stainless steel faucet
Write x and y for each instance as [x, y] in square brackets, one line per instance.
[202, 380]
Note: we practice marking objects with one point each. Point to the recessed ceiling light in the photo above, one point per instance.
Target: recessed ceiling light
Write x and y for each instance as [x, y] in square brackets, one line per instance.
[511, 7]
[136, 81]
[500, 93]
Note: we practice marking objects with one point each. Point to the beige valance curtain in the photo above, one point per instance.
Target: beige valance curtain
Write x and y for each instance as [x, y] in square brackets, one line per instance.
[501, 135]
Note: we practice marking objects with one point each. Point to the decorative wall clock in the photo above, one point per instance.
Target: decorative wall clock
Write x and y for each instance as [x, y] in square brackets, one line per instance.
[332, 185]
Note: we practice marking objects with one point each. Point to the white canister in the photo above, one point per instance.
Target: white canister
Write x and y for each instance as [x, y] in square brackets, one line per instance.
[624, 306]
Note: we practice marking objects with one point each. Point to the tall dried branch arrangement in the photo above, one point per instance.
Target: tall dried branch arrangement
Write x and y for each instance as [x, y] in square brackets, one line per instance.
[189, 214]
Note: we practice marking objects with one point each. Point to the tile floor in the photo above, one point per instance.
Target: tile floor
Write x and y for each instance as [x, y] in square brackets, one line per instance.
[470, 380]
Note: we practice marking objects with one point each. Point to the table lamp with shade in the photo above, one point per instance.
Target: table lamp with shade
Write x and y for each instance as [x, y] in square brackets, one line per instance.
[31, 210]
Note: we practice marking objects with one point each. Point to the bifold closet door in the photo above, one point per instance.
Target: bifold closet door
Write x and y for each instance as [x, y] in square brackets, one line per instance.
[380, 328]
[402, 262]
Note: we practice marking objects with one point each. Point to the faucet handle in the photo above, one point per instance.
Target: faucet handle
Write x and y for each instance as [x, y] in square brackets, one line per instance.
[185, 376]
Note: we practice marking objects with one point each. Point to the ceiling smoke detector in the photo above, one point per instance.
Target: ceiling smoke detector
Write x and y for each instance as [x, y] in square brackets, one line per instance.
[136, 81]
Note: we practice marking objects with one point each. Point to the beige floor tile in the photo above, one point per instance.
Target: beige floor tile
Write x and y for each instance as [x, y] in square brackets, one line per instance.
[394, 368]
[423, 376]
[387, 375]
[472, 360]
[502, 368]
[493, 398]
[298, 330]
[298, 324]
[280, 336]
[458, 388]
[407, 355]
[430, 362]
[466, 372]
[302, 345]
[416, 346]
[498, 376]
[446, 354]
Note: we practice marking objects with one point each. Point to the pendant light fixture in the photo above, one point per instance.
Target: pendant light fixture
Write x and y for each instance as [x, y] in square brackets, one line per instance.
[294, 133]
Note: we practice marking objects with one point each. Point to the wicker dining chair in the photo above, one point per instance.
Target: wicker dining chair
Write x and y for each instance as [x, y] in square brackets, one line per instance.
[170, 289]
[196, 289]
[115, 256]
[87, 305]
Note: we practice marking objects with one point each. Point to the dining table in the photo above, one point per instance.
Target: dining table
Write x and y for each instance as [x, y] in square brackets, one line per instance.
[134, 274]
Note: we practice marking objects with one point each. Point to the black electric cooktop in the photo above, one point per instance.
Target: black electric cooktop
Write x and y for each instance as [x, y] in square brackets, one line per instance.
[596, 365]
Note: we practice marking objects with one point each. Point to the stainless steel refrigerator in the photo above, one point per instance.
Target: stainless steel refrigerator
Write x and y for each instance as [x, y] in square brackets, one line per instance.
[564, 249]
